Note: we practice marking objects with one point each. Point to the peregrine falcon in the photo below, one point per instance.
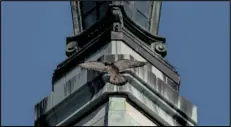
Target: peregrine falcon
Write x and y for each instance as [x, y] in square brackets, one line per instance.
[113, 69]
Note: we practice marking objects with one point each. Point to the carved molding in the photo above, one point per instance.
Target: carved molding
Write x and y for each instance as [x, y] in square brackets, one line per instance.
[155, 17]
[105, 38]
[115, 18]
[39, 111]
[164, 101]
[162, 90]
[102, 31]
[88, 35]
[76, 17]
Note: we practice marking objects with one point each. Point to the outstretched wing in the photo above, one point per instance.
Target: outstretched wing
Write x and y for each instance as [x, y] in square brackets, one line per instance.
[126, 64]
[93, 65]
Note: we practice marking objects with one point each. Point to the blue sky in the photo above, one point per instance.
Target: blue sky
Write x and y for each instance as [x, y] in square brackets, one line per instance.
[33, 43]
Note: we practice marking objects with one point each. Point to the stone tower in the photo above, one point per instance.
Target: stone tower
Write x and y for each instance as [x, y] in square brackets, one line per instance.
[109, 31]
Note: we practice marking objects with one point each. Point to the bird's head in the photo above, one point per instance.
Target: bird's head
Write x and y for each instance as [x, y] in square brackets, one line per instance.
[107, 64]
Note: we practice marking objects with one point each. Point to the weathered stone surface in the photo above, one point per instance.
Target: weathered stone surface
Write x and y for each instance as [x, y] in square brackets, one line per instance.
[149, 95]
[155, 8]
[76, 17]
[126, 114]
[116, 48]
[138, 39]
[97, 117]
[117, 104]
[85, 98]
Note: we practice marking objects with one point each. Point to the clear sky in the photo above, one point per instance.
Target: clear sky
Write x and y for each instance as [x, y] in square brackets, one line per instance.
[33, 44]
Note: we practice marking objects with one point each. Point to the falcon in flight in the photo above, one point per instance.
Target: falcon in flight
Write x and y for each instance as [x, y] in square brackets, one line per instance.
[113, 69]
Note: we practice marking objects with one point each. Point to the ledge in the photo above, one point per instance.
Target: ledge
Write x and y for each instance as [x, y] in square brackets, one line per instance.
[139, 81]
[101, 33]
[135, 91]
[104, 38]
[107, 21]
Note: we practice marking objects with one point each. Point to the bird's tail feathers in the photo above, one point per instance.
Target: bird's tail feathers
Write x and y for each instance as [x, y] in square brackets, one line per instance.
[117, 80]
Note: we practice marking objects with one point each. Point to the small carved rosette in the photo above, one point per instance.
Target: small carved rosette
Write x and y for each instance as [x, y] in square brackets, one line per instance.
[71, 48]
[160, 48]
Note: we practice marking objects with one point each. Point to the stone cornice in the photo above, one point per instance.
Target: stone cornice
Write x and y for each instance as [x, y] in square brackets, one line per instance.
[106, 37]
[79, 56]
[74, 60]
[107, 21]
[100, 33]
[145, 82]
[132, 91]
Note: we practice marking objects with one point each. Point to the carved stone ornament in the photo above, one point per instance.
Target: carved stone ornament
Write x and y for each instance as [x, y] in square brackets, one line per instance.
[71, 48]
[117, 18]
[160, 48]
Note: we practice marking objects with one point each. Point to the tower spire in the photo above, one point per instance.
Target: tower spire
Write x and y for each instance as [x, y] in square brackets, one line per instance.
[109, 31]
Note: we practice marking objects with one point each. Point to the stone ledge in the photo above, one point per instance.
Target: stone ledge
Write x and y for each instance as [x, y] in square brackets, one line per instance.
[143, 75]
[130, 30]
[136, 96]
[136, 91]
